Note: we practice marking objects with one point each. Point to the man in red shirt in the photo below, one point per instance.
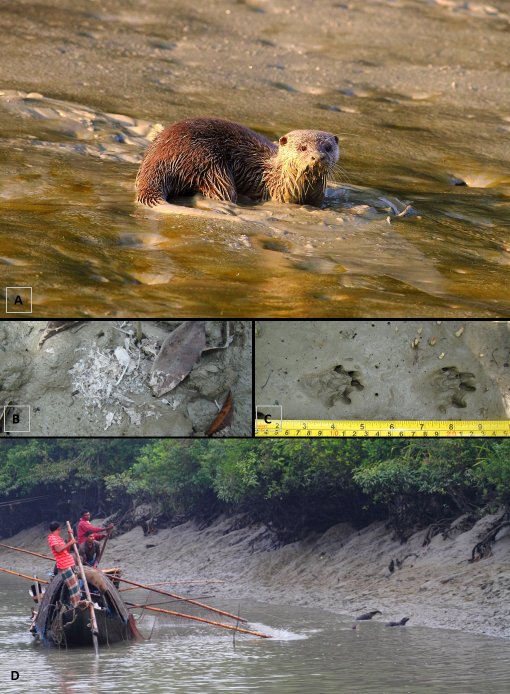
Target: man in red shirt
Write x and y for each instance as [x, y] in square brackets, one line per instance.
[84, 524]
[65, 561]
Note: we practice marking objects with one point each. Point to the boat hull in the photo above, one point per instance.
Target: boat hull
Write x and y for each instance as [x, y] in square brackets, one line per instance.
[73, 629]
[57, 624]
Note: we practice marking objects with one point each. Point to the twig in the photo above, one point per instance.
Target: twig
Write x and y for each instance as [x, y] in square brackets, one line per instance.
[267, 379]
[122, 374]
[126, 332]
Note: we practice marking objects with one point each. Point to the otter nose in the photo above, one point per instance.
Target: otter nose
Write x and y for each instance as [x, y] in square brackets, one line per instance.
[318, 156]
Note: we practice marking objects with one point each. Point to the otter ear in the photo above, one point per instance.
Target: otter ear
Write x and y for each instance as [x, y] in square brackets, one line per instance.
[283, 140]
[336, 138]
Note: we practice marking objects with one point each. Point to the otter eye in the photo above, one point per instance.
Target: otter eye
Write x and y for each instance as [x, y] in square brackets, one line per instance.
[328, 148]
[303, 148]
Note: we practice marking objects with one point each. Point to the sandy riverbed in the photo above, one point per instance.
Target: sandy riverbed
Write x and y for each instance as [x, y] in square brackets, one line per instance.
[343, 570]
[384, 369]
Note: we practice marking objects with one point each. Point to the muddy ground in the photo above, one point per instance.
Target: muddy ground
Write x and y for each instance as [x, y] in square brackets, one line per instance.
[384, 369]
[93, 379]
[343, 570]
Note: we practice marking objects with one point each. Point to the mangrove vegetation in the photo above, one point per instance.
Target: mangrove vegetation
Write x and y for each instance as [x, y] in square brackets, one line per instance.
[292, 486]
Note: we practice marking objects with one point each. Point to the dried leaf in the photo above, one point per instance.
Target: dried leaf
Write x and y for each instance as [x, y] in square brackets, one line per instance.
[224, 417]
[179, 353]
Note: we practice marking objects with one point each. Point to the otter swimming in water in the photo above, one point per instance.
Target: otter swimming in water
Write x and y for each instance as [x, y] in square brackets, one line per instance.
[223, 160]
[367, 615]
[402, 623]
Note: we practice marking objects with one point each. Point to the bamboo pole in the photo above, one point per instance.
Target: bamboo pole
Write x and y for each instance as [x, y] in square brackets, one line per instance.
[201, 619]
[180, 597]
[171, 583]
[37, 554]
[37, 590]
[101, 552]
[93, 622]
[142, 585]
[17, 573]
[26, 551]
[16, 502]
[158, 604]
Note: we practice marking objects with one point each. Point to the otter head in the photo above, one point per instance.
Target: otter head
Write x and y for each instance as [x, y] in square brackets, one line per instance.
[310, 150]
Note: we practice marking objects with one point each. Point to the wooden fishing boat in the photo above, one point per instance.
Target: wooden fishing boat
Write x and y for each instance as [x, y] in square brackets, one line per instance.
[57, 624]
[103, 618]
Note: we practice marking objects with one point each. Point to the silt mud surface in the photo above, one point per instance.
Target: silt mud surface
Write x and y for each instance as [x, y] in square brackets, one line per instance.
[417, 92]
[96, 379]
[380, 370]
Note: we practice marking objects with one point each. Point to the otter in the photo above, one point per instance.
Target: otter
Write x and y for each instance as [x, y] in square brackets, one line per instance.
[223, 160]
[367, 615]
[402, 623]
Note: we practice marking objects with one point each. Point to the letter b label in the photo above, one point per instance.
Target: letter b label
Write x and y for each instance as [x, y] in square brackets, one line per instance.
[16, 419]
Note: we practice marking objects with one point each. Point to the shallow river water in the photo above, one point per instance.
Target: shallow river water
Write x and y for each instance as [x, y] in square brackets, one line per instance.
[417, 91]
[311, 651]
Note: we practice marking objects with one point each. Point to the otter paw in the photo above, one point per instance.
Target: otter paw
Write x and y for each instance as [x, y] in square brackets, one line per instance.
[454, 386]
[332, 385]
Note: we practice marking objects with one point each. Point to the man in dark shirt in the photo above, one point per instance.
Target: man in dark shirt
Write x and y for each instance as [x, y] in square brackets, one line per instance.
[90, 550]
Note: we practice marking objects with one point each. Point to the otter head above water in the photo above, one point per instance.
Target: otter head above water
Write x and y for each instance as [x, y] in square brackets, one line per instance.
[298, 171]
[223, 160]
[310, 149]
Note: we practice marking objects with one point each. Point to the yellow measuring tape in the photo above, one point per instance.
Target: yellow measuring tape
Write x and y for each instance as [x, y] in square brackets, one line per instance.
[304, 428]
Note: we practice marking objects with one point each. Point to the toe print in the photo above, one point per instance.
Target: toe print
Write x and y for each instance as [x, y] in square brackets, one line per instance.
[454, 385]
[333, 385]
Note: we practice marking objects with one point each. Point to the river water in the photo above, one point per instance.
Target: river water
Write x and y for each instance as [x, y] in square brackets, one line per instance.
[311, 650]
[417, 90]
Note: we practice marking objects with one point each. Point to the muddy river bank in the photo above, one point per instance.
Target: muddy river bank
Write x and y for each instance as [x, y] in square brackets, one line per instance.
[343, 570]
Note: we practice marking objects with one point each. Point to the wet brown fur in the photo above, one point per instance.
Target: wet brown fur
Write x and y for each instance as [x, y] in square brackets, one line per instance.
[222, 160]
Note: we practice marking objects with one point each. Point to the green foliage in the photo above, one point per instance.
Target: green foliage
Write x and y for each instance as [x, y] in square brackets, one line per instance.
[274, 470]
[65, 464]
[424, 468]
[493, 472]
[237, 476]
[293, 484]
[427, 480]
[170, 472]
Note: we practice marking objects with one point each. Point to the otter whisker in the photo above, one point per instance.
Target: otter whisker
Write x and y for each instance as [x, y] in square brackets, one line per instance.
[341, 174]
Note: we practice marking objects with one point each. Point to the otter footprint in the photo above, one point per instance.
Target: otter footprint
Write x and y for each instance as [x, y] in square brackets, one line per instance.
[455, 385]
[333, 384]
